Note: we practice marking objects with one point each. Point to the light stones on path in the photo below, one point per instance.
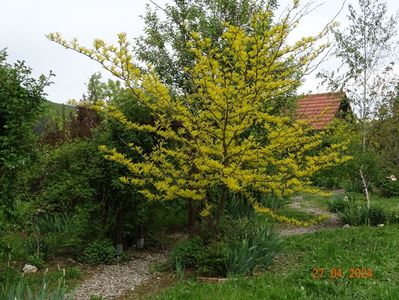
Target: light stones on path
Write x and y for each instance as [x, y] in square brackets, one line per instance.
[29, 269]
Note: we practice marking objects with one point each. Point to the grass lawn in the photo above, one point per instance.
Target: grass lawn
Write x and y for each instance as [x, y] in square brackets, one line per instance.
[391, 204]
[291, 275]
[316, 201]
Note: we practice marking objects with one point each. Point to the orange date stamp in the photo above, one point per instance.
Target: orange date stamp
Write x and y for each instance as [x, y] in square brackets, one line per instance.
[351, 273]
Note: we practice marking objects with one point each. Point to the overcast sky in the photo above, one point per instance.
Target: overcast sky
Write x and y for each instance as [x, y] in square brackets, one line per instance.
[24, 24]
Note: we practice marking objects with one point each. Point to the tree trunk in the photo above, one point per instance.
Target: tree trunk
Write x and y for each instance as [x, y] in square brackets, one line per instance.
[119, 231]
[191, 216]
[140, 242]
[365, 187]
[220, 209]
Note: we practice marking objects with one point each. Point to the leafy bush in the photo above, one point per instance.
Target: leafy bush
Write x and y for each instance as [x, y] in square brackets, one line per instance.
[243, 246]
[206, 258]
[213, 260]
[389, 188]
[99, 252]
[354, 215]
[36, 246]
[255, 249]
[61, 232]
[393, 217]
[361, 215]
[338, 204]
[73, 273]
[187, 252]
[37, 260]
[65, 176]
[376, 215]
[12, 246]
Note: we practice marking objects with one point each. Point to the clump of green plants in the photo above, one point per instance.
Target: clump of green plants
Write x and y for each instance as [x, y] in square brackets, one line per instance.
[96, 297]
[376, 215]
[272, 201]
[393, 217]
[20, 289]
[355, 213]
[204, 257]
[252, 247]
[36, 260]
[73, 273]
[187, 252]
[361, 215]
[99, 252]
[239, 207]
[339, 204]
[242, 247]
[389, 187]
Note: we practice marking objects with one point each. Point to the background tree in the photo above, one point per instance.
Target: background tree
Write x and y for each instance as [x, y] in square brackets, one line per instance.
[386, 144]
[365, 49]
[167, 31]
[204, 138]
[21, 100]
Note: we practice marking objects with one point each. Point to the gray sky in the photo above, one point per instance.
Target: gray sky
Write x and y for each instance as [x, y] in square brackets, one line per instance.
[24, 23]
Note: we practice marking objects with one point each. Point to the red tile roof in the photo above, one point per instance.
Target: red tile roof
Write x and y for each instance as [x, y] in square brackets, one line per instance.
[319, 109]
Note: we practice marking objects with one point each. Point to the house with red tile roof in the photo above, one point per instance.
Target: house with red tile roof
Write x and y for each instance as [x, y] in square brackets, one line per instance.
[320, 109]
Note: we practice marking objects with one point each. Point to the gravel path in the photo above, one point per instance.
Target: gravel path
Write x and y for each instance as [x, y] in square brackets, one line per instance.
[110, 281]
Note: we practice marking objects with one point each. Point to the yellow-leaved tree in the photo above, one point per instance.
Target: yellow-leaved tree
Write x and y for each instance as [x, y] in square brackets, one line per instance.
[223, 134]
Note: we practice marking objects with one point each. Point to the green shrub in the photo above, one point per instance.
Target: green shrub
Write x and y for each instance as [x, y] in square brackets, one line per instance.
[241, 247]
[13, 245]
[61, 233]
[35, 246]
[338, 204]
[376, 215]
[206, 258]
[46, 237]
[187, 252]
[212, 262]
[254, 250]
[393, 217]
[4, 249]
[73, 273]
[361, 215]
[99, 252]
[389, 188]
[36, 260]
[354, 215]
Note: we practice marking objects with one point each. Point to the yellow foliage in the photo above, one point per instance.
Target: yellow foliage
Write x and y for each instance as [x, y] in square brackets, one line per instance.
[214, 144]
